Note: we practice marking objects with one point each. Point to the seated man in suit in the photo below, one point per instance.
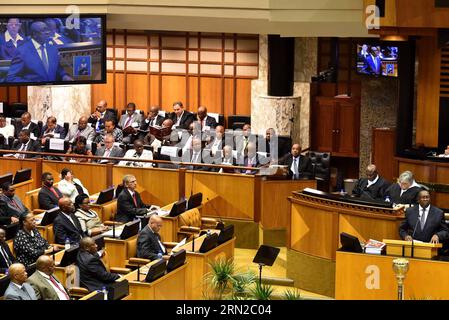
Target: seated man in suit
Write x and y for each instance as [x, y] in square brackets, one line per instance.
[424, 222]
[109, 150]
[48, 196]
[18, 289]
[299, 166]
[66, 224]
[55, 37]
[207, 123]
[109, 128]
[405, 191]
[153, 119]
[149, 245]
[181, 118]
[251, 159]
[275, 147]
[5, 214]
[36, 60]
[130, 122]
[6, 257]
[129, 203]
[45, 284]
[10, 39]
[137, 153]
[26, 123]
[80, 130]
[16, 207]
[93, 273]
[371, 187]
[215, 142]
[167, 140]
[194, 154]
[52, 130]
[100, 115]
[26, 144]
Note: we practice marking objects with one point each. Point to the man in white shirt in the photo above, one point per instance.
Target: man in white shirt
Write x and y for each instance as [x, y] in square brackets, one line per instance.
[45, 284]
[137, 153]
[6, 130]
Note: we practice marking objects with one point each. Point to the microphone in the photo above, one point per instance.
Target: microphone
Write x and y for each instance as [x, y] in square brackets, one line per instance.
[193, 242]
[413, 234]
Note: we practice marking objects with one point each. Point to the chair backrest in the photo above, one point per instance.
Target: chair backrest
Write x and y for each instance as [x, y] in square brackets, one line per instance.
[131, 247]
[190, 218]
[237, 121]
[321, 164]
[115, 113]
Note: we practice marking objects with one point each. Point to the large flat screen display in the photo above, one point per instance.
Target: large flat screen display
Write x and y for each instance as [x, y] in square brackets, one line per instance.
[52, 49]
[377, 60]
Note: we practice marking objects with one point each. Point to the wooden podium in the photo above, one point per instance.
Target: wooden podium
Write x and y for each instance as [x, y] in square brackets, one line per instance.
[406, 249]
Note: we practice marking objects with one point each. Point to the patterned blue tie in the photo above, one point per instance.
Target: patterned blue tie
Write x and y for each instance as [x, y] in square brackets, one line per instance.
[44, 58]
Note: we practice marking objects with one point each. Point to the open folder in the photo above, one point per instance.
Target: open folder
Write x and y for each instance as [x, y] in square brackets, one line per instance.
[180, 244]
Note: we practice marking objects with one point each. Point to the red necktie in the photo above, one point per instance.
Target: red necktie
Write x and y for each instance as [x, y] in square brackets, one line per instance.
[15, 204]
[54, 192]
[135, 199]
[128, 121]
[59, 288]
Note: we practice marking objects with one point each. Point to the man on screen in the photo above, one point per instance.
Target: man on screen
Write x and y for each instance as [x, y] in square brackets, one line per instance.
[10, 40]
[373, 61]
[36, 60]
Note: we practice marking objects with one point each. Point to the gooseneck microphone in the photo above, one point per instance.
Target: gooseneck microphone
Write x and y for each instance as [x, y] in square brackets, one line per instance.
[414, 230]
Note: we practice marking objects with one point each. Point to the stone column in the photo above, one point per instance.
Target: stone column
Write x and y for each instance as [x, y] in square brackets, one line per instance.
[66, 103]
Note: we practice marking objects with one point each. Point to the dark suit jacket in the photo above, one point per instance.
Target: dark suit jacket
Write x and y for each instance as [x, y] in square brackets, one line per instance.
[126, 209]
[259, 162]
[434, 224]
[370, 67]
[147, 244]
[375, 191]
[47, 199]
[34, 129]
[58, 129]
[145, 125]
[33, 146]
[210, 122]
[305, 169]
[27, 66]
[93, 273]
[408, 197]
[109, 115]
[7, 49]
[3, 264]
[116, 152]
[186, 119]
[63, 229]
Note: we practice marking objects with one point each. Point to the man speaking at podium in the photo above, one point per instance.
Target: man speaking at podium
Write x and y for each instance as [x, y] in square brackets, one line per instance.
[424, 222]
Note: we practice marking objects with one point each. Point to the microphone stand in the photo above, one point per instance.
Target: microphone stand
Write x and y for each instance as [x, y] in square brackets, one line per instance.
[193, 242]
[413, 234]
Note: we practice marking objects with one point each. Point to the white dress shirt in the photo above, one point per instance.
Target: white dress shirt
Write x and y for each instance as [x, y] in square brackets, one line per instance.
[14, 41]
[59, 289]
[372, 182]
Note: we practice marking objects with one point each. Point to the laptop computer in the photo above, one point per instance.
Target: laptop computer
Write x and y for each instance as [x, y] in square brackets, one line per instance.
[6, 178]
[118, 290]
[49, 216]
[156, 271]
[209, 243]
[195, 200]
[226, 234]
[105, 196]
[69, 256]
[22, 176]
[176, 260]
[178, 208]
[350, 243]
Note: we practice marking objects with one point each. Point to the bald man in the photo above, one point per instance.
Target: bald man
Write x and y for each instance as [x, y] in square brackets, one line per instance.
[18, 289]
[153, 118]
[100, 115]
[36, 60]
[207, 123]
[66, 224]
[80, 129]
[45, 284]
[299, 166]
[93, 273]
[373, 187]
[149, 243]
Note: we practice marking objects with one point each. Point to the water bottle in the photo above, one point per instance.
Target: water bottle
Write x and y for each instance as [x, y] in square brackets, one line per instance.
[387, 199]
[67, 244]
[208, 232]
[105, 293]
[342, 192]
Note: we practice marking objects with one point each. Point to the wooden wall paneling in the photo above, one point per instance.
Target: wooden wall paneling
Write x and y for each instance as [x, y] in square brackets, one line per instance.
[243, 96]
[137, 92]
[4, 94]
[23, 94]
[103, 91]
[228, 97]
[193, 93]
[120, 101]
[154, 88]
[211, 94]
[173, 89]
[428, 99]
[383, 151]
[13, 93]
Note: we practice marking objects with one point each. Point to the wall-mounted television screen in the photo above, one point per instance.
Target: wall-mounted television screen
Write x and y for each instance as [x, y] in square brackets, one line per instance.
[52, 49]
[377, 59]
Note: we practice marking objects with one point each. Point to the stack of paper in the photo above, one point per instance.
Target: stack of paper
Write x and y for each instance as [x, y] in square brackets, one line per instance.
[374, 246]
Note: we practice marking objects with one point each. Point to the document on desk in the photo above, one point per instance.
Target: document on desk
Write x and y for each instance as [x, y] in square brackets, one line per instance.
[110, 233]
[162, 213]
[180, 244]
[56, 144]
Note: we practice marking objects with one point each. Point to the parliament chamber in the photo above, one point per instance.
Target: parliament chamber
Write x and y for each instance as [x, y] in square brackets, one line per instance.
[149, 148]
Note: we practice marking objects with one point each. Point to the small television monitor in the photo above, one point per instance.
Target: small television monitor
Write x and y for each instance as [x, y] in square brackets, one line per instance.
[74, 47]
[22, 176]
[350, 243]
[210, 242]
[69, 256]
[195, 200]
[6, 178]
[176, 260]
[156, 270]
[131, 229]
[10, 230]
[378, 59]
[49, 216]
[226, 234]
[178, 208]
[105, 196]
[118, 290]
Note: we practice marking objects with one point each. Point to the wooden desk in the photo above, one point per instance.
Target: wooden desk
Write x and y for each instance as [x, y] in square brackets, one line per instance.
[171, 286]
[11, 165]
[371, 277]
[45, 231]
[66, 275]
[105, 211]
[31, 200]
[120, 250]
[22, 188]
[198, 264]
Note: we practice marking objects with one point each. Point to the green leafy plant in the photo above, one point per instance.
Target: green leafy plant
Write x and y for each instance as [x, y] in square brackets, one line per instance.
[294, 294]
[219, 278]
[262, 291]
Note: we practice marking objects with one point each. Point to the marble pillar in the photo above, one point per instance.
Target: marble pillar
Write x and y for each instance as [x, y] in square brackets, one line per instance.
[66, 103]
